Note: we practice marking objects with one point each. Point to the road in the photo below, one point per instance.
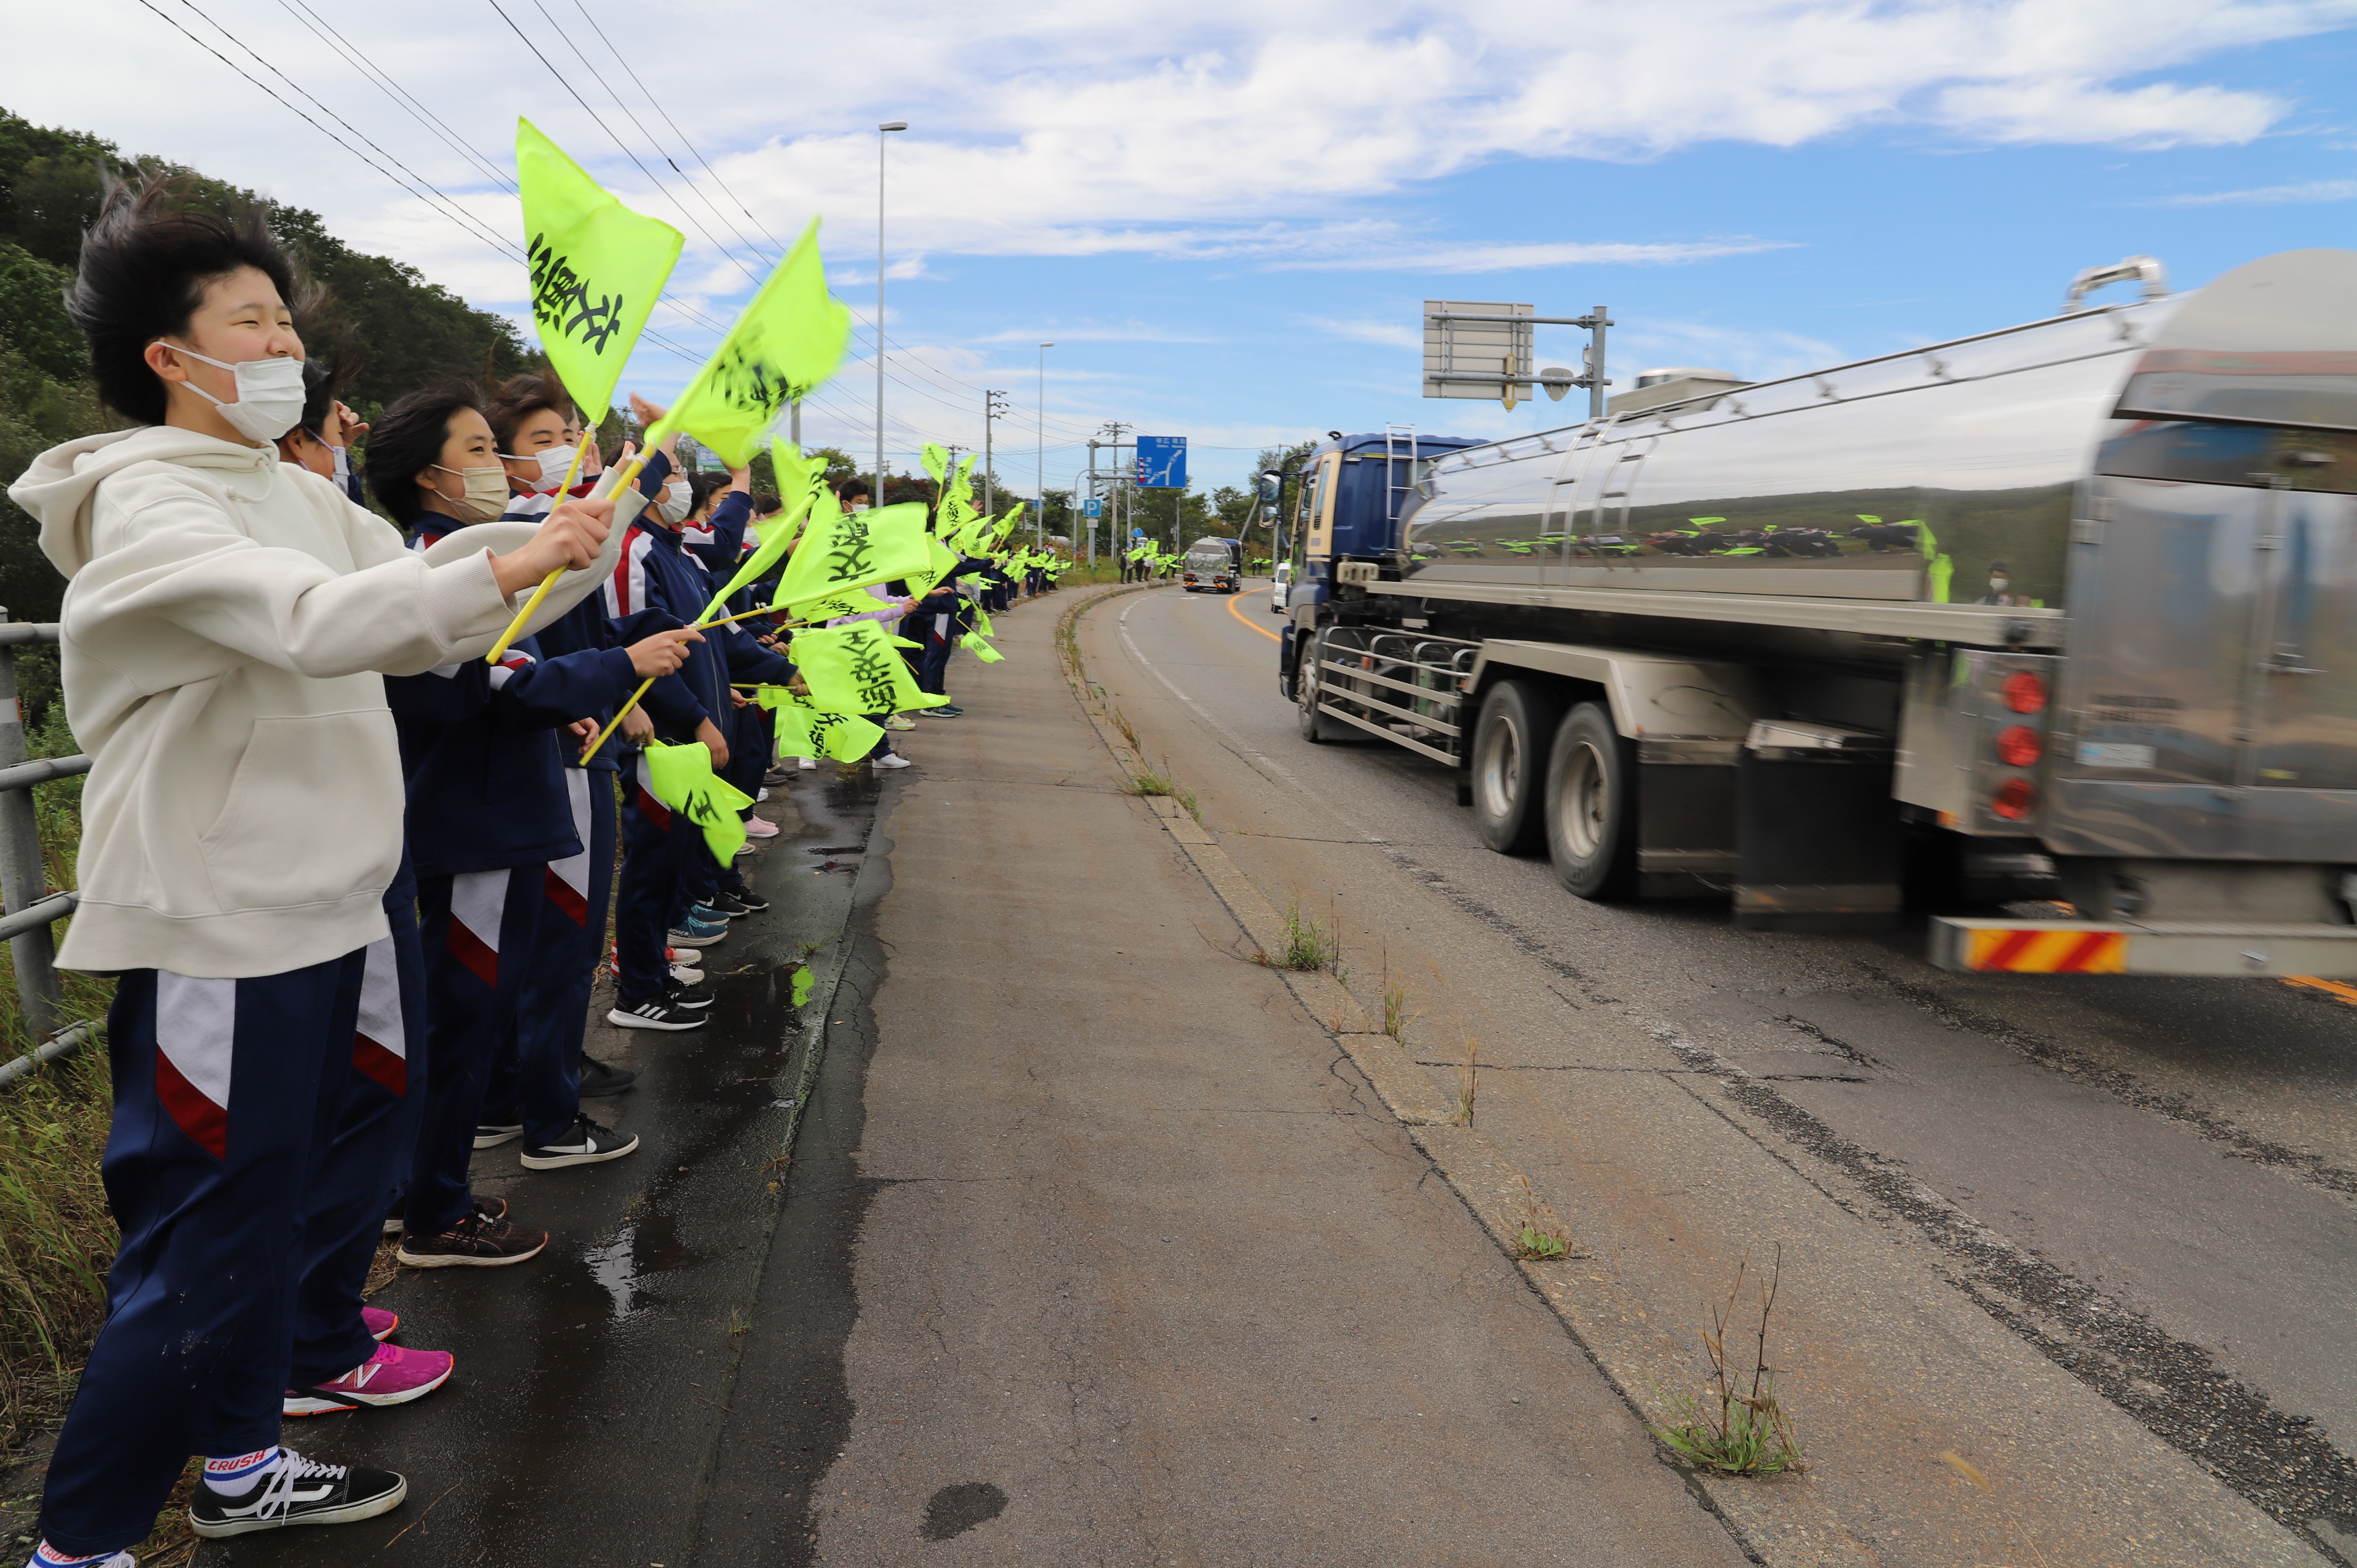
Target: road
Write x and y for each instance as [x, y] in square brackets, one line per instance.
[2094, 1234]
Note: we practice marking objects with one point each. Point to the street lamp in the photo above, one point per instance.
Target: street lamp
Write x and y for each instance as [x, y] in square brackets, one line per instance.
[882, 131]
[1040, 475]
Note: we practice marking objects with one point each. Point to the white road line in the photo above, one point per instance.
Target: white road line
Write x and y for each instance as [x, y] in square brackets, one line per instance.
[1237, 743]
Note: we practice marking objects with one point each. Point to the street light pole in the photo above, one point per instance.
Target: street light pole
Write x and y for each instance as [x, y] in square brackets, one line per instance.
[1039, 477]
[882, 131]
[994, 408]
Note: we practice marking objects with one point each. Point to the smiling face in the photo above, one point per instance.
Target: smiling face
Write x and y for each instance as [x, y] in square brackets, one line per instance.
[240, 318]
[465, 444]
[542, 429]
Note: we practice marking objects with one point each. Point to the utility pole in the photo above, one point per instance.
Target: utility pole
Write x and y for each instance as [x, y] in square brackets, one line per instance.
[1040, 474]
[994, 408]
[1112, 429]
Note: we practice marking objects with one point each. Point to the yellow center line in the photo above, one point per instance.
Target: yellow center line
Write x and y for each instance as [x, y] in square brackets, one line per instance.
[1236, 609]
[2346, 992]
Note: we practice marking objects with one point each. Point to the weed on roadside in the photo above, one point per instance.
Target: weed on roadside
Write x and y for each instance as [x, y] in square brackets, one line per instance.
[1735, 1426]
[739, 1321]
[1542, 1238]
[1397, 1016]
[1468, 1082]
[1128, 731]
[1310, 944]
[1147, 783]
[1971, 1472]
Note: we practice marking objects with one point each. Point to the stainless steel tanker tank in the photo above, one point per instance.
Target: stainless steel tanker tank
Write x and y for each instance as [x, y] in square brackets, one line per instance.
[2175, 476]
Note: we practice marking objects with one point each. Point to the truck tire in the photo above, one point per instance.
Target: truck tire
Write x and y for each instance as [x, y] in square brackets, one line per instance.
[1510, 741]
[1590, 806]
[1317, 728]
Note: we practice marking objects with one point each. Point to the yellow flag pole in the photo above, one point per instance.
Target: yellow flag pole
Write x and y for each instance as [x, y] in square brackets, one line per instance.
[515, 626]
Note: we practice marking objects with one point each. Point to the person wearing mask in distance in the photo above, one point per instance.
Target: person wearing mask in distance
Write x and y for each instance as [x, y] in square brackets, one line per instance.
[321, 440]
[490, 812]
[533, 416]
[666, 861]
[226, 620]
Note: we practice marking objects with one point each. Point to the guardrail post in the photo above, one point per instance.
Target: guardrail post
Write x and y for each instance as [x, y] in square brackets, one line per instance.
[23, 878]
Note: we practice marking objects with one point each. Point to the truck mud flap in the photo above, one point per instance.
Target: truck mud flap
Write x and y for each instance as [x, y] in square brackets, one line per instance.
[2085, 947]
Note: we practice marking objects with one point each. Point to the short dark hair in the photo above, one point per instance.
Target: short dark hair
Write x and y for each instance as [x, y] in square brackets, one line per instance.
[518, 399]
[406, 441]
[854, 486]
[766, 505]
[701, 487]
[146, 259]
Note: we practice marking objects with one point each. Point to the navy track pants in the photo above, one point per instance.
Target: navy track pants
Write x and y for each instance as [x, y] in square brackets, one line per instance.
[650, 887]
[228, 1095]
[536, 1078]
[479, 928]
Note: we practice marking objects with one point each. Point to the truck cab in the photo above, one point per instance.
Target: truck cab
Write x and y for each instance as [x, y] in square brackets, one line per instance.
[1212, 564]
[1345, 527]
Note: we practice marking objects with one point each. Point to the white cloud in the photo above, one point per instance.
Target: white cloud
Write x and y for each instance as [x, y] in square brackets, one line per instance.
[2269, 194]
[1492, 258]
[1225, 129]
[1389, 333]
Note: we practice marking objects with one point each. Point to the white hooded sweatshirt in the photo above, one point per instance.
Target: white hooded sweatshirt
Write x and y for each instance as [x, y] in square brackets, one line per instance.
[226, 620]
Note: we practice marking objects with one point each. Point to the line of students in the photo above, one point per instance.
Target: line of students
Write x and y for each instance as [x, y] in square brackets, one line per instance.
[352, 878]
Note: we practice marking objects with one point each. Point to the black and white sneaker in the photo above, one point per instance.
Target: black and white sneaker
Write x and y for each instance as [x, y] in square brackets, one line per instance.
[298, 1491]
[688, 996]
[731, 905]
[491, 1135]
[654, 1013]
[584, 1144]
[747, 902]
[601, 1078]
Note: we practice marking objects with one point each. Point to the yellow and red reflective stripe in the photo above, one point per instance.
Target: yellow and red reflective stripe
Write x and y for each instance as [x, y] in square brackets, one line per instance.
[2032, 949]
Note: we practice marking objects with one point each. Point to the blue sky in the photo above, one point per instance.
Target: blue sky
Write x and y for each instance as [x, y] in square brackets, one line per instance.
[1227, 219]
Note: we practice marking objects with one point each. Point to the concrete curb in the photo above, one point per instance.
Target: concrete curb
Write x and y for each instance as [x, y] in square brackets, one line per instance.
[1779, 1522]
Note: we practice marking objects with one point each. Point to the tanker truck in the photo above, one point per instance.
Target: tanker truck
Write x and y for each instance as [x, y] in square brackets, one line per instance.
[2066, 609]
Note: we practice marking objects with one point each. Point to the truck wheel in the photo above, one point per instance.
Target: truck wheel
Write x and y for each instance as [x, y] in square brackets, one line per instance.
[1591, 809]
[1317, 728]
[1510, 738]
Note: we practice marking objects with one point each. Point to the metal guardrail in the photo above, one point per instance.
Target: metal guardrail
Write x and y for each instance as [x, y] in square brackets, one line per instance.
[27, 906]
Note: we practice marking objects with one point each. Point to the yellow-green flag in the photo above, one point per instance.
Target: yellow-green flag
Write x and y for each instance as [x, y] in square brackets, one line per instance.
[773, 548]
[790, 339]
[597, 267]
[681, 777]
[845, 737]
[855, 670]
[936, 460]
[851, 550]
[974, 643]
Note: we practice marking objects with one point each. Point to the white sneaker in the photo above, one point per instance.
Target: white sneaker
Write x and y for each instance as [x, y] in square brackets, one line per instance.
[899, 721]
[761, 828]
[892, 759]
[806, 764]
[687, 974]
[761, 797]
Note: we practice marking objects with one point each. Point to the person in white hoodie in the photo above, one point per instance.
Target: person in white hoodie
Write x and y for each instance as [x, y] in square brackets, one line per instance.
[226, 622]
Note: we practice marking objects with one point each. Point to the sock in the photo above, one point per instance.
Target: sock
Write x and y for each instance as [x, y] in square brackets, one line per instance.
[47, 1556]
[240, 1472]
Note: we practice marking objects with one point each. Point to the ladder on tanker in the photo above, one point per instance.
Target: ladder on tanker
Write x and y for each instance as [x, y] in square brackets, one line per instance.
[1394, 490]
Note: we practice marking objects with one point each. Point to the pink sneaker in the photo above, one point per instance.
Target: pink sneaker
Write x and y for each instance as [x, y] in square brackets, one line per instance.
[761, 828]
[391, 1376]
[380, 1322]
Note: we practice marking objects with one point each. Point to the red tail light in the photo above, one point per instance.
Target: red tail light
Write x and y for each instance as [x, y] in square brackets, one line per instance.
[2014, 799]
[2017, 746]
[2025, 692]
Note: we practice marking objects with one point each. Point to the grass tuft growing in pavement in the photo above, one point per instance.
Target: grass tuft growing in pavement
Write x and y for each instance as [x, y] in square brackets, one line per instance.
[1310, 944]
[1542, 1236]
[1735, 1425]
[1148, 783]
[1468, 1082]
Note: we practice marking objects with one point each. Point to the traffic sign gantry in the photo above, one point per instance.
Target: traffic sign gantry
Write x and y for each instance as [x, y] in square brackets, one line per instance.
[1162, 462]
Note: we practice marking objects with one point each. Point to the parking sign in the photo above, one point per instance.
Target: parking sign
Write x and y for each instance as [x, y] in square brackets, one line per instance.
[1093, 509]
[1162, 462]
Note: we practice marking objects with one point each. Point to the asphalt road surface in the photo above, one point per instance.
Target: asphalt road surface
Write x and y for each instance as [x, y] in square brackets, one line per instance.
[2117, 1256]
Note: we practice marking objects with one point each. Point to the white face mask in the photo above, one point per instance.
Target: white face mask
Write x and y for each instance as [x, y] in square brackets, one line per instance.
[487, 493]
[2000, 585]
[674, 505]
[269, 395]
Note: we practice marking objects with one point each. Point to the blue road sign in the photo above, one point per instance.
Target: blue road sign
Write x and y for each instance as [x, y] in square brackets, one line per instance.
[1093, 509]
[1162, 462]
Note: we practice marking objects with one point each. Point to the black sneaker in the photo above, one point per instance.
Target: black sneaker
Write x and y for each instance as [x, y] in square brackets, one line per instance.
[654, 1013]
[584, 1144]
[729, 904]
[298, 1491]
[476, 1242]
[491, 1135]
[601, 1078]
[693, 998]
[747, 902]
